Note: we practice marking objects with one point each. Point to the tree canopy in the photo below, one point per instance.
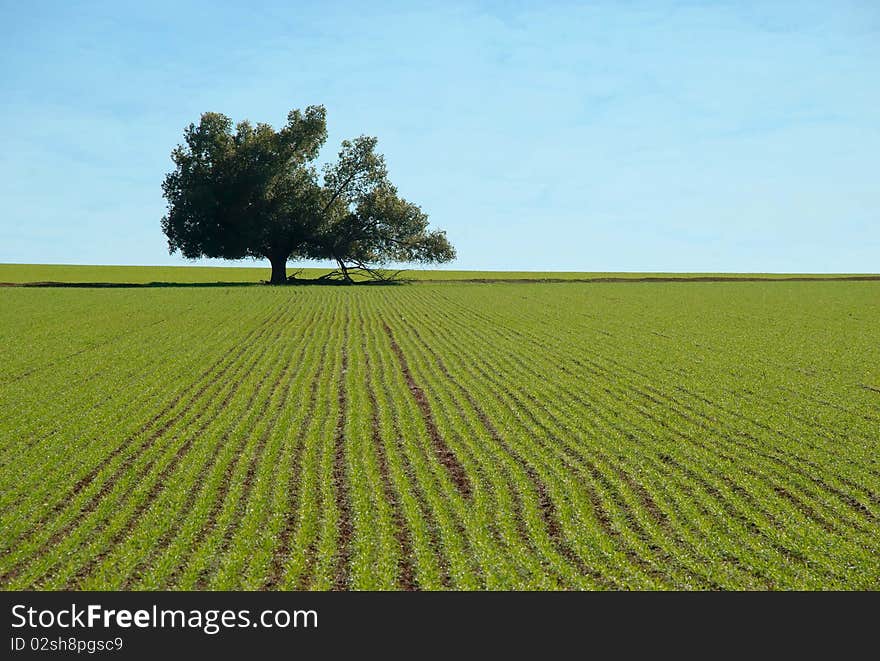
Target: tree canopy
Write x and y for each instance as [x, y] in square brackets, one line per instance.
[255, 192]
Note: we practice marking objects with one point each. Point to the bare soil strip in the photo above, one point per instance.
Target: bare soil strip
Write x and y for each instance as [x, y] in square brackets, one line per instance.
[701, 278]
[425, 509]
[584, 466]
[343, 506]
[444, 453]
[546, 506]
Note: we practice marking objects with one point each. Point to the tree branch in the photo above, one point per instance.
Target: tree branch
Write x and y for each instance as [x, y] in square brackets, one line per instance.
[339, 190]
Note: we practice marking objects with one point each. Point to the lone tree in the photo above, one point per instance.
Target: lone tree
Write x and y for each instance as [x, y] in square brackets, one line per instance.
[254, 192]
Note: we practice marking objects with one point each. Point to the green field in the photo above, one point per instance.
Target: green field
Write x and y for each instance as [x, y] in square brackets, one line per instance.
[170, 275]
[677, 435]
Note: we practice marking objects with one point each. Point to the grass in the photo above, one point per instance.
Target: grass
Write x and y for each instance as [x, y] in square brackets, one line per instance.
[442, 436]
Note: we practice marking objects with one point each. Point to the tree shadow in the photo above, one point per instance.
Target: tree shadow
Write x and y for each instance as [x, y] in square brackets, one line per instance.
[333, 282]
[293, 282]
[353, 275]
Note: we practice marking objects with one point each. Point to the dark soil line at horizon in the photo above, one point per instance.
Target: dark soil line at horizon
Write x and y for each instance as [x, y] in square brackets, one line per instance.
[550, 280]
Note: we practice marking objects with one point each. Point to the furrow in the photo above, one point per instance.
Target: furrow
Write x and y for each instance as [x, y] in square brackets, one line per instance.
[183, 400]
[340, 481]
[159, 465]
[596, 502]
[406, 575]
[283, 550]
[446, 456]
[544, 503]
[161, 482]
[198, 520]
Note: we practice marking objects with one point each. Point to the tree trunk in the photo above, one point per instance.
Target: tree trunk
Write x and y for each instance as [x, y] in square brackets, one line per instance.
[345, 276]
[279, 270]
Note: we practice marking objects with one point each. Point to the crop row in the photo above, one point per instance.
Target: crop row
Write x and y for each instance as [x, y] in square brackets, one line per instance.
[585, 436]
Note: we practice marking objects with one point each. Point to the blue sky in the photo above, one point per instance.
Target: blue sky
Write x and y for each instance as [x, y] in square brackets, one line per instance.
[656, 136]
